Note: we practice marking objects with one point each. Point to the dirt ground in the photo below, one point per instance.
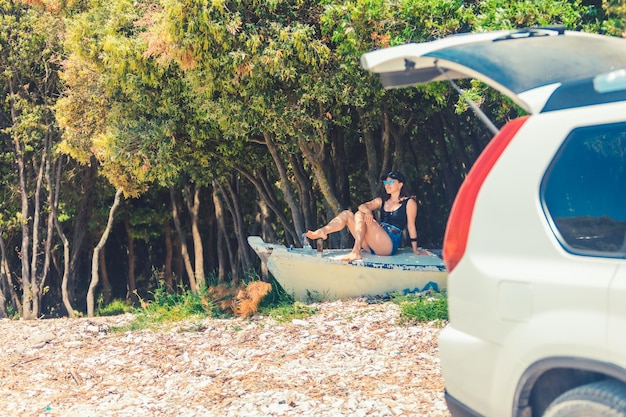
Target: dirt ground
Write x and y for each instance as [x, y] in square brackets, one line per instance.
[351, 358]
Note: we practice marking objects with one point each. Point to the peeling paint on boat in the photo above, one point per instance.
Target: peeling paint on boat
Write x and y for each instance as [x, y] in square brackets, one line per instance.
[303, 272]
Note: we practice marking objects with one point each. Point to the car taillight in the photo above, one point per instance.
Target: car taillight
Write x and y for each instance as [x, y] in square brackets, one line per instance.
[457, 229]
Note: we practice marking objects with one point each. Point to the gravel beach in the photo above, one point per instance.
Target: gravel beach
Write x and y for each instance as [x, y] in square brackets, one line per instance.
[351, 358]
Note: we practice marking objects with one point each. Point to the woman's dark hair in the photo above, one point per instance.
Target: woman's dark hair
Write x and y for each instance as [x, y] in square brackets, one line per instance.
[404, 192]
[393, 175]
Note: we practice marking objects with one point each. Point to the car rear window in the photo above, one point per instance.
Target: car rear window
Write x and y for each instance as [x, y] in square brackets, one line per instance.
[584, 191]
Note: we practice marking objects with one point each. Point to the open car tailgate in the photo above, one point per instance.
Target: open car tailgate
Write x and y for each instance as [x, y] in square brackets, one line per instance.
[527, 65]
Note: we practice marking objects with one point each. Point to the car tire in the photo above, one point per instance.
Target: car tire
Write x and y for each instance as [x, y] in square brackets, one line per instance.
[599, 399]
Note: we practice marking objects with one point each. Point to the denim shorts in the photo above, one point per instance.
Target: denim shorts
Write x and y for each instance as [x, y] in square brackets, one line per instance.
[395, 234]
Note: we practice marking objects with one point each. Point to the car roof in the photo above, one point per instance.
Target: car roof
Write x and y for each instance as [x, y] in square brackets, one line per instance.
[541, 69]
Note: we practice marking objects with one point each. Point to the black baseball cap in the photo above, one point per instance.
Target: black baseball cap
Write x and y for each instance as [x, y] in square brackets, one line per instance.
[394, 175]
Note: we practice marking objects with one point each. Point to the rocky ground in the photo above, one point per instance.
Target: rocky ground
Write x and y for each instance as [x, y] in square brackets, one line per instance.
[351, 358]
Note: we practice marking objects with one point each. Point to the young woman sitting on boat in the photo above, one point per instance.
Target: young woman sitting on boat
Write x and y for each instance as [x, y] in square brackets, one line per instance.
[398, 211]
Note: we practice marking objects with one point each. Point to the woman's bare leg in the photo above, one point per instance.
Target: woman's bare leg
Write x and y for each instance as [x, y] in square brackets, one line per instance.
[358, 228]
[368, 236]
[343, 219]
[358, 232]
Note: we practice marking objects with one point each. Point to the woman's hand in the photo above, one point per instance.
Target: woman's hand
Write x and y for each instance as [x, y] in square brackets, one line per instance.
[367, 209]
[420, 251]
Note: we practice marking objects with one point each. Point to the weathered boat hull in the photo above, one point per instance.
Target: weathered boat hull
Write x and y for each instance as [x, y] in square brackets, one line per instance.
[307, 275]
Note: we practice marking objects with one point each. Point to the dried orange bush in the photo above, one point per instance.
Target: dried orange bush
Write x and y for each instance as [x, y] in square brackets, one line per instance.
[242, 301]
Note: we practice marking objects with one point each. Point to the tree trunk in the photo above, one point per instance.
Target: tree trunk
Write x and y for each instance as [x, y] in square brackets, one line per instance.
[4, 280]
[50, 222]
[232, 203]
[104, 272]
[193, 205]
[373, 170]
[34, 258]
[66, 271]
[266, 222]
[3, 300]
[322, 180]
[27, 290]
[66, 244]
[5, 271]
[387, 158]
[285, 187]
[132, 285]
[178, 262]
[259, 181]
[267, 233]
[305, 190]
[96, 251]
[85, 185]
[336, 166]
[4, 285]
[169, 255]
[452, 179]
[183, 245]
[222, 237]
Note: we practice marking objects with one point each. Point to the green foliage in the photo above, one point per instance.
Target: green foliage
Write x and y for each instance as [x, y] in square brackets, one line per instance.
[280, 306]
[114, 308]
[423, 307]
[168, 307]
[285, 312]
[121, 107]
[615, 22]
[30, 51]
[12, 313]
[504, 14]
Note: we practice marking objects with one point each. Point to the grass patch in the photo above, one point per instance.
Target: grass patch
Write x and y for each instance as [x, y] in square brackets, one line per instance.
[288, 311]
[114, 308]
[281, 306]
[420, 308]
[168, 307]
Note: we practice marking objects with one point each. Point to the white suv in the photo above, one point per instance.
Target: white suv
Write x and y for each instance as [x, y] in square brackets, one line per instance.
[536, 240]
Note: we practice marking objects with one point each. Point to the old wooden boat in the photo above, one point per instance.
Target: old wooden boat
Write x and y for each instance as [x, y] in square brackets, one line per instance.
[308, 274]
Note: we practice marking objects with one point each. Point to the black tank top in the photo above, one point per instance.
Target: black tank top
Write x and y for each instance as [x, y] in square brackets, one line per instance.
[395, 218]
